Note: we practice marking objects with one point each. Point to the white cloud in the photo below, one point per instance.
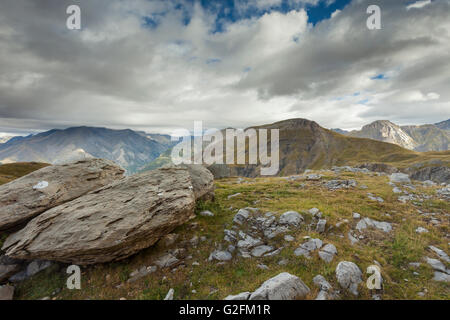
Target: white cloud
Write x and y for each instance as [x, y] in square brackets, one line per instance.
[418, 4]
[119, 73]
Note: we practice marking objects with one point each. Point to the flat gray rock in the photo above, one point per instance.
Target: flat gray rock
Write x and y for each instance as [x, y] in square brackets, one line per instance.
[399, 178]
[220, 256]
[110, 223]
[29, 196]
[261, 250]
[284, 286]
[240, 296]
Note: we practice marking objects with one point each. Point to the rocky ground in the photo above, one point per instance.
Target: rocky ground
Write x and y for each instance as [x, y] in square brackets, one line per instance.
[311, 236]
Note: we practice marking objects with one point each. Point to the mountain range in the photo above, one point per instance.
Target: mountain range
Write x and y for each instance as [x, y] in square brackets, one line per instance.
[130, 149]
[422, 138]
[304, 144]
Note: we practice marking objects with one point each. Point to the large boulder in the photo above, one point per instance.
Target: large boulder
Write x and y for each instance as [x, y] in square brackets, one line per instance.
[35, 193]
[436, 174]
[202, 181]
[284, 286]
[110, 223]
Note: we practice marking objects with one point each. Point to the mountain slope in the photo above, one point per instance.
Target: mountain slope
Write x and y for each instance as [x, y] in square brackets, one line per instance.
[128, 148]
[306, 145]
[386, 131]
[428, 137]
[444, 125]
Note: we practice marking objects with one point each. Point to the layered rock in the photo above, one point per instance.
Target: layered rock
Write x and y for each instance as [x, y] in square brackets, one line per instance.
[41, 190]
[110, 223]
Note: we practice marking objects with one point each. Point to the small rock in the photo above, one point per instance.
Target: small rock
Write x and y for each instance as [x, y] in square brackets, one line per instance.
[321, 224]
[241, 216]
[421, 230]
[240, 296]
[399, 178]
[206, 213]
[166, 260]
[291, 218]
[328, 252]
[261, 250]
[356, 215]
[169, 295]
[289, 238]
[220, 256]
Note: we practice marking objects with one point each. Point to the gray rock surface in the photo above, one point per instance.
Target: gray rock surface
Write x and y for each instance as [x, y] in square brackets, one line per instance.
[110, 223]
[240, 296]
[328, 252]
[220, 256]
[400, 178]
[284, 286]
[367, 222]
[349, 276]
[6, 292]
[41, 190]
[291, 218]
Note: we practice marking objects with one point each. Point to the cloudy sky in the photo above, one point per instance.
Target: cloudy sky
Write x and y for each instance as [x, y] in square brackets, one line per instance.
[157, 65]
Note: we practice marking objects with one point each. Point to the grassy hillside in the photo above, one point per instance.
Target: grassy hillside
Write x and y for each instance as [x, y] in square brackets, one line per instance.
[197, 278]
[11, 171]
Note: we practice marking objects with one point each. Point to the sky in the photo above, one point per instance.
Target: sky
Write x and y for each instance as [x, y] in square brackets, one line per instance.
[161, 65]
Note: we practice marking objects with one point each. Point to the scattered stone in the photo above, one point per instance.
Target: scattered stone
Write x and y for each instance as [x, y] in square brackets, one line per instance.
[166, 260]
[283, 262]
[169, 295]
[6, 292]
[367, 222]
[340, 184]
[288, 238]
[284, 286]
[207, 213]
[37, 266]
[220, 256]
[291, 218]
[314, 211]
[241, 216]
[240, 296]
[356, 215]
[313, 177]
[141, 273]
[249, 242]
[321, 224]
[440, 253]
[352, 239]
[397, 190]
[307, 247]
[399, 178]
[328, 252]
[374, 198]
[261, 250]
[234, 195]
[263, 266]
[436, 265]
[349, 276]
[421, 230]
